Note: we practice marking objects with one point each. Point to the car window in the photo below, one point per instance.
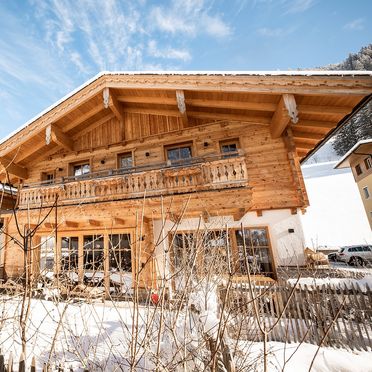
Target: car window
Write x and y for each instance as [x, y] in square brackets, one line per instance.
[352, 249]
[359, 249]
[366, 249]
[342, 249]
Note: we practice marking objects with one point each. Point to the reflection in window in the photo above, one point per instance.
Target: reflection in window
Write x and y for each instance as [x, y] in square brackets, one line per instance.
[179, 154]
[125, 160]
[47, 253]
[81, 169]
[257, 252]
[69, 250]
[120, 252]
[93, 252]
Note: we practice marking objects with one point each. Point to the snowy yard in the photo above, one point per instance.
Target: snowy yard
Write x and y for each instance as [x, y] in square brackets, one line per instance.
[99, 336]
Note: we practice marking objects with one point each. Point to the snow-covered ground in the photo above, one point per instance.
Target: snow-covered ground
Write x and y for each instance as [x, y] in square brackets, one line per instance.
[98, 336]
[336, 215]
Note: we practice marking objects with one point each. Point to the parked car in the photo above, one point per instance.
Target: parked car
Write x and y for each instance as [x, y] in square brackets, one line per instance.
[332, 257]
[355, 255]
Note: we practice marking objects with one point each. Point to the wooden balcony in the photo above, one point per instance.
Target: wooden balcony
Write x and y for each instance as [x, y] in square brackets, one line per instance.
[194, 175]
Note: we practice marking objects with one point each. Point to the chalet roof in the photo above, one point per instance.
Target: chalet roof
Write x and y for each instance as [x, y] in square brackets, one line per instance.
[323, 99]
[363, 147]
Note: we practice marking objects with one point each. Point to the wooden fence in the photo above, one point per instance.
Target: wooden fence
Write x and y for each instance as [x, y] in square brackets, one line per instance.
[321, 315]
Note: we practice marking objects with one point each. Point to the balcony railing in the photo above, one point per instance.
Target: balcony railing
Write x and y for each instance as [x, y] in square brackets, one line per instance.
[192, 175]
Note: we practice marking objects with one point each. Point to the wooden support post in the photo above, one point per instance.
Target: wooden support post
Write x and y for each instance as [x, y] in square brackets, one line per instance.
[81, 259]
[180, 96]
[54, 134]
[106, 264]
[285, 112]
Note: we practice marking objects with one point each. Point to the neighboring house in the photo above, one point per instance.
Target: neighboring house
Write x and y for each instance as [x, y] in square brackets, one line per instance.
[126, 172]
[359, 159]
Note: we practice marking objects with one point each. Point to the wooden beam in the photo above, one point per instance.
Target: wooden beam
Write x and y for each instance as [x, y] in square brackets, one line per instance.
[49, 225]
[239, 214]
[303, 145]
[82, 118]
[316, 124]
[94, 222]
[53, 133]
[284, 114]
[118, 221]
[308, 136]
[148, 100]
[71, 224]
[182, 107]
[259, 212]
[238, 105]
[324, 110]
[222, 116]
[14, 169]
[211, 103]
[293, 210]
[138, 110]
[110, 101]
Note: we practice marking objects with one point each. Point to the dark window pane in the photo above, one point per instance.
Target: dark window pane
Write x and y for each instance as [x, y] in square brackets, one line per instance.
[70, 246]
[126, 161]
[120, 252]
[93, 252]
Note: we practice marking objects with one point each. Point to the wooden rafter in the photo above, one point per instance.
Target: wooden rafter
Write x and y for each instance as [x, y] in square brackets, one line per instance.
[13, 168]
[324, 110]
[54, 134]
[240, 213]
[82, 118]
[224, 116]
[71, 223]
[94, 125]
[181, 104]
[284, 114]
[208, 103]
[308, 136]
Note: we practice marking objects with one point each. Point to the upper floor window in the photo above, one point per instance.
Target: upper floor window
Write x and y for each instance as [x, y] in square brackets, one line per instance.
[179, 153]
[366, 192]
[81, 169]
[368, 162]
[358, 170]
[48, 177]
[229, 148]
[125, 160]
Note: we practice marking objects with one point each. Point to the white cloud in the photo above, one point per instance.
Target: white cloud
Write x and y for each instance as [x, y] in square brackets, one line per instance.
[298, 6]
[168, 53]
[274, 32]
[191, 17]
[355, 25]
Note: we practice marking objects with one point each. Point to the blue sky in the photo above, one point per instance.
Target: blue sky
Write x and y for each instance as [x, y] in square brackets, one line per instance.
[48, 48]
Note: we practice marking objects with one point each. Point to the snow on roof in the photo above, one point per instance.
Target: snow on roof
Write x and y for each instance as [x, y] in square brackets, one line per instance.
[341, 162]
[201, 73]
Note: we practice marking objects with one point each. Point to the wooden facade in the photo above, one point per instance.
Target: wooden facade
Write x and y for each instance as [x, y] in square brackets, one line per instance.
[127, 151]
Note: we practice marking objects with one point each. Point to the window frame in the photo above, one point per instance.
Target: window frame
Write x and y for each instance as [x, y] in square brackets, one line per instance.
[366, 192]
[44, 177]
[368, 162]
[80, 163]
[179, 145]
[358, 169]
[120, 155]
[227, 142]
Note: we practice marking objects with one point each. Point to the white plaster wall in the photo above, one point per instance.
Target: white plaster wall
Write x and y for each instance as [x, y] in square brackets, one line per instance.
[287, 247]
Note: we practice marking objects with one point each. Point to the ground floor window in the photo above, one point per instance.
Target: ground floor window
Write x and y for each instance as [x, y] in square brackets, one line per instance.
[220, 251]
[120, 252]
[70, 253]
[47, 248]
[93, 252]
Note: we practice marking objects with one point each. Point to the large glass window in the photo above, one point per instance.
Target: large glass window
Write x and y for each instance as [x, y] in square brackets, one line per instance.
[93, 252]
[257, 257]
[120, 252]
[69, 248]
[216, 245]
[179, 154]
[47, 253]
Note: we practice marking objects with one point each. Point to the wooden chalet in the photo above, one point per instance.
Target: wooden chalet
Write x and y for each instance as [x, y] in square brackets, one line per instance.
[120, 175]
